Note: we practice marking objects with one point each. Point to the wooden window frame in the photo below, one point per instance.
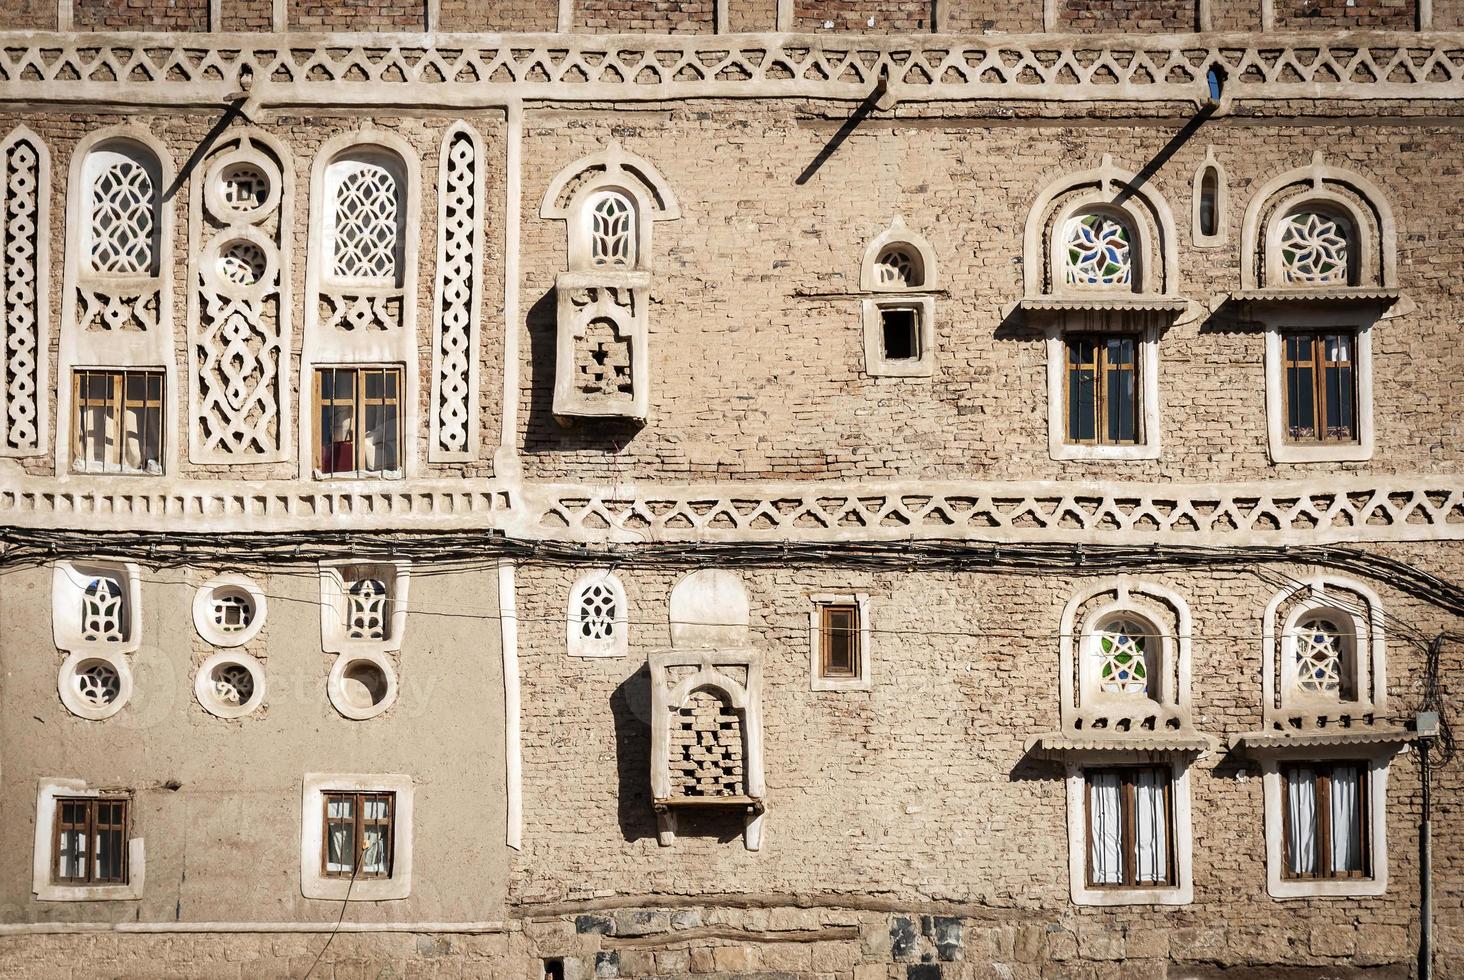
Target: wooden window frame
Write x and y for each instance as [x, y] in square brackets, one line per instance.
[89, 827]
[116, 404]
[1101, 369]
[1128, 838]
[1318, 365]
[1322, 773]
[359, 823]
[826, 632]
[358, 403]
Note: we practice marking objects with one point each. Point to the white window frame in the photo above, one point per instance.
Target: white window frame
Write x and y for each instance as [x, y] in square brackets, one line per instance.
[1160, 663]
[313, 884]
[861, 681]
[203, 609]
[617, 644]
[45, 890]
[1148, 363]
[876, 364]
[1283, 450]
[333, 607]
[348, 161]
[1180, 893]
[1278, 886]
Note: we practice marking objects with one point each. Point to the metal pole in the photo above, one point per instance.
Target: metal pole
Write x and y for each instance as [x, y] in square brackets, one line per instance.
[1425, 872]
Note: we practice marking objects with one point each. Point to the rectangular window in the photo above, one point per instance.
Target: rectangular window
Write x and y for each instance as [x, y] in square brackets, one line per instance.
[900, 333]
[1102, 389]
[358, 835]
[839, 633]
[1324, 807]
[117, 425]
[1321, 395]
[1130, 824]
[358, 411]
[89, 844]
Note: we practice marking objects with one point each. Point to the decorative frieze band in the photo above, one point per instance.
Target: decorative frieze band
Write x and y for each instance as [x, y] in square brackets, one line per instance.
[1266, 513]
[470, 69]
[25, 233]
[457, 300]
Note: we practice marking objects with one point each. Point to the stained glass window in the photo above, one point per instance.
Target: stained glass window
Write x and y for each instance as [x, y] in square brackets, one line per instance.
[1098, 251]
[1121, 651]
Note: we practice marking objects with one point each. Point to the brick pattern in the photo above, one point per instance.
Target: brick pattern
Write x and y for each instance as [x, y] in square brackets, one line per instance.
[502, 16]
[22, 15]
[644, 16]
[357, 15]
[888, 16]
[247, 15]
[1335, 15]
[140, 15]
[1120, 16]
[706, 748]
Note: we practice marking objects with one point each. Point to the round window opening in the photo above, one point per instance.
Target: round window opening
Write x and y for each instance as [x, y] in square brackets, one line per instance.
[364, 685]
[244, 187]
[242, 263]
[229, 685]
[232, 610]
[229, 611]
[97, 683]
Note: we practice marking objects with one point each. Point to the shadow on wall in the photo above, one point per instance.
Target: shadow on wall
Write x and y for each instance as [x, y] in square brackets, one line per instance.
[543, 432]
[630, 706]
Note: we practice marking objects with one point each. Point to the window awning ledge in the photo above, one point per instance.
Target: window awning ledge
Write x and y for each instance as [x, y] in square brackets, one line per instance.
[1115, 302]
[1273, 741]
[1326, 295]
[1061, 745]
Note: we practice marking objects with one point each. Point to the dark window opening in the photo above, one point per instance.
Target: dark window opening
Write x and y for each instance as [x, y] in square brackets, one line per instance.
[554, 969]
[900, 330]
[1209, 202]
[839, 627]
[89, 841]
[1102, 382]
[1321, 395]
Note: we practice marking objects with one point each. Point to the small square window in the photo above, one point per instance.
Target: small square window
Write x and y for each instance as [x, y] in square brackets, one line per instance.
[358, 835]
[89, 843]
[839, 625]
[1321, 389]
[900, 333]
[117, 422]
[358, 412]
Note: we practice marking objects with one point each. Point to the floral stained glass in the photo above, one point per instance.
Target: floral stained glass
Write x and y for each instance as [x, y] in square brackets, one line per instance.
[1098, 251]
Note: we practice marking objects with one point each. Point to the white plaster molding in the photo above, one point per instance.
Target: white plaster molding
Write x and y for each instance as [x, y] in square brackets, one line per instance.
[226, 585]
[1280, 887]
[42, 886]
[313, 884]
[1377, 232]
[1105, 188]
[863, 677]
[144, 299]
[335, 606]
[457, 297]
[1123, 715]
[1055, 332]
[391, 338]
[709, 609]
[352, 689]
[406, 68]
[1182, 892]
[240, 399]
[876, 363]
[79, 677]
[69, 582]
[617, 169]
[1369, 647]
[578, 638]
[587, 305]
[1222, 203]
[922, 251]
[25, 294]
[1280, 317]
[206, 685]
[505, 459]
[512, 741]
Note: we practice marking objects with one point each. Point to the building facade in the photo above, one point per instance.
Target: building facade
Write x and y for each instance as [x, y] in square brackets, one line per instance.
[742, 488]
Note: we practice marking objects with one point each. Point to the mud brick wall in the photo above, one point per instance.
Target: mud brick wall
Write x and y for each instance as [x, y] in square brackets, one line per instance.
[1342, 15]
[140, 15]
[644, 16]
[247, 15]
[499, 15]
[1120, 16]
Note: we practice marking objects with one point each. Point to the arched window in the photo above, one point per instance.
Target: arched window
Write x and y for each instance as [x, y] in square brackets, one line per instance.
[1210, 203]
[120, 226]
[103, 611]
[1099, 250]
[1316, 248]
[364, 218]
[899, 267]
[613, 227]
[1123, 652]
[1323, 653]
[597, 617]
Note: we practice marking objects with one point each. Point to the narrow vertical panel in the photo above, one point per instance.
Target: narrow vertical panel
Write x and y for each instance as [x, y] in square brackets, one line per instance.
[25, 189]
[457, 297]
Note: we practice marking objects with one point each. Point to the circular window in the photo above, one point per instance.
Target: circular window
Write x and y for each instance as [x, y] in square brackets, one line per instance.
[243, 186]
[229, 610]
[242, 262]
[362, 686]
[94, 686]
[229, 685]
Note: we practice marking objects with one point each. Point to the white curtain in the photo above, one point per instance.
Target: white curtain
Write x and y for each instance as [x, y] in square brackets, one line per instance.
[1105, 817]
[373, 859]
[1151, 830]
[1301, 821]
[340, 857]
[1346, 817]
